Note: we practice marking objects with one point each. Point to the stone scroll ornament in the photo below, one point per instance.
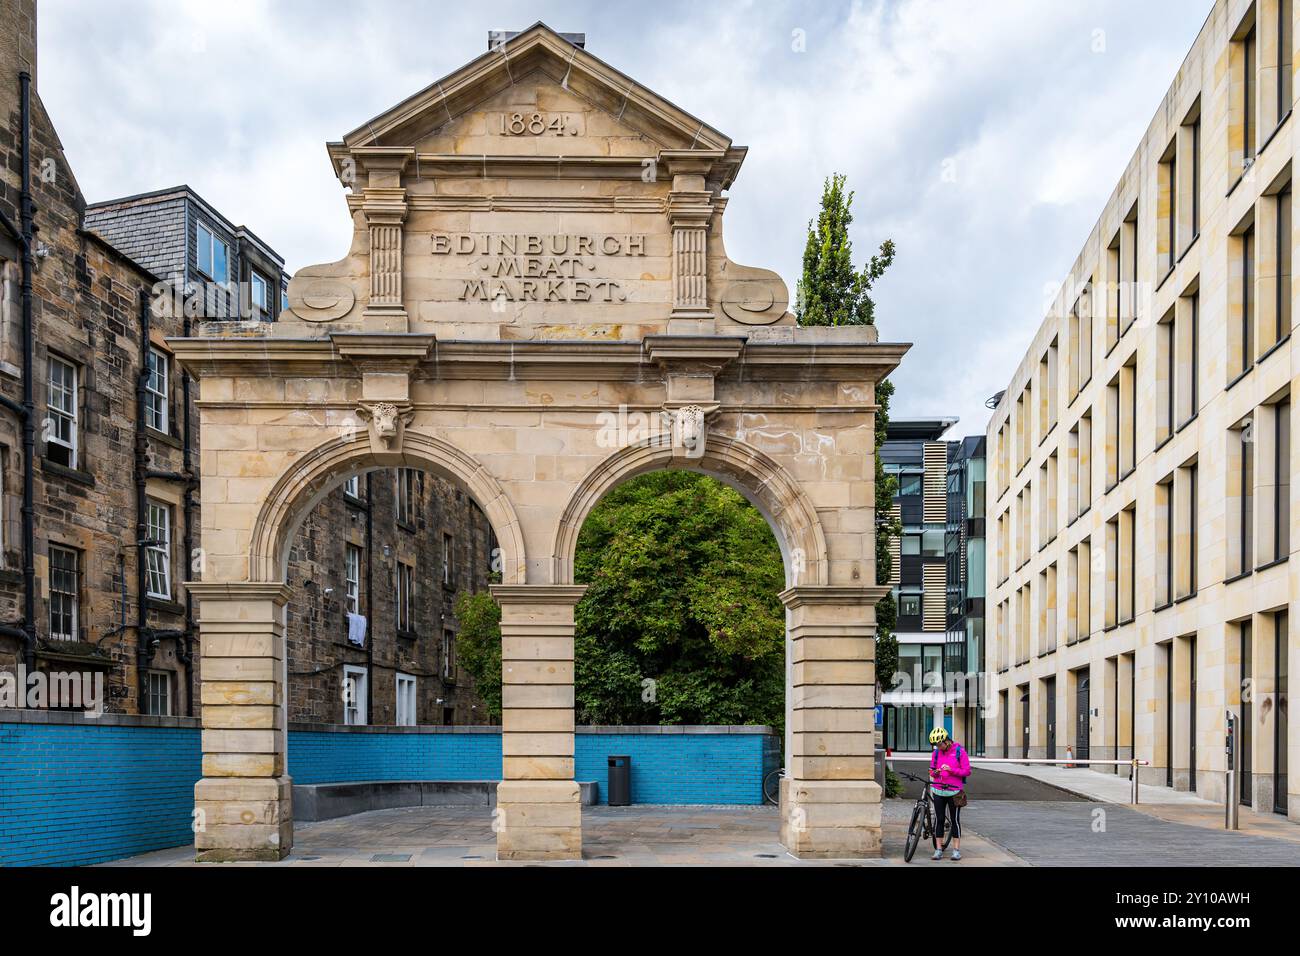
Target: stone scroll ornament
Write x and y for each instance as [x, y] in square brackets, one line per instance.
[319, 298]
[387, 424]
[689, 428]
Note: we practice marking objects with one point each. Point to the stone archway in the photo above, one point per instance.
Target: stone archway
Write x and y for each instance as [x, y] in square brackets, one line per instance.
[829, 802]
[755, 475]
[301, 486]
[538, 313]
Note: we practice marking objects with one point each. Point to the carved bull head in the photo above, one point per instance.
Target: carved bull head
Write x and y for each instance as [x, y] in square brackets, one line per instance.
[387, 422]
[688, 429]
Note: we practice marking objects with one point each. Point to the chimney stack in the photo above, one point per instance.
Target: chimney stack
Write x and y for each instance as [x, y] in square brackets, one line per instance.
[499, 38]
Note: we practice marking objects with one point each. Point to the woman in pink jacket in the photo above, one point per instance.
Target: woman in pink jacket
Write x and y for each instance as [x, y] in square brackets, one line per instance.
[949, 768]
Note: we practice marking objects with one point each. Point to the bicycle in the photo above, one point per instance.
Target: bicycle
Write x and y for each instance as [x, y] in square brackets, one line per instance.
[772, 786]
[923, 821]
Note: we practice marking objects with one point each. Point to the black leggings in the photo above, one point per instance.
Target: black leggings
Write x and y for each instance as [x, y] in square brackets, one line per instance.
[944, 806]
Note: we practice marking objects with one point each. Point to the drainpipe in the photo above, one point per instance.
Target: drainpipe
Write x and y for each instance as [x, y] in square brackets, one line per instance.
[144, 640]
[187, 646]
[370, 619]
[26, 215]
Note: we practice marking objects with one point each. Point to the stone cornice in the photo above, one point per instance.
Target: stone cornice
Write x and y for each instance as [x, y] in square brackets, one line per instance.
[384, 157]
[714, 351]
[242, 356]
[652, 205]
[276, 591]
[389, 348]
[713, 165]
[841, 594]
[538, 593]
[552, 359]
[533, 167]
[690, 207]
[697, 161]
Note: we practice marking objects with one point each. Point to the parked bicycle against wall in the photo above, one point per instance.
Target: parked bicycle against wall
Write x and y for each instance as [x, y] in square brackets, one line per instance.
[772, 786]
[922, 823]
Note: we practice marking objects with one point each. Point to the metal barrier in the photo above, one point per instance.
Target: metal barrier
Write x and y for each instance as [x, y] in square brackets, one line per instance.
[1072, 761]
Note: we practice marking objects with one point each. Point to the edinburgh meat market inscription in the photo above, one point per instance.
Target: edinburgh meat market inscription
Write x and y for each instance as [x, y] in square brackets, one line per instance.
[538, 268]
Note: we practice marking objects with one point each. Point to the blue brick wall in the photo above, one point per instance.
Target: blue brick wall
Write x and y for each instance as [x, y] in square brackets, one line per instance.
[666, 768]
[678, 768]
[325, 757]
[87, 793]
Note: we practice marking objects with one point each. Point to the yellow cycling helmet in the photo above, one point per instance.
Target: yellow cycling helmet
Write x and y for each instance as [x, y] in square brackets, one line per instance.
[938, 736]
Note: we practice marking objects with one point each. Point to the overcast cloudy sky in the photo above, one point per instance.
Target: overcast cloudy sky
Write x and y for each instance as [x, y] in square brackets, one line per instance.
[982, 137]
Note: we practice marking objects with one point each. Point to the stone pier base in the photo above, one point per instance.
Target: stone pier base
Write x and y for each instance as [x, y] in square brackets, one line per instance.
[538, 820]
[243, 819]
[829, 819]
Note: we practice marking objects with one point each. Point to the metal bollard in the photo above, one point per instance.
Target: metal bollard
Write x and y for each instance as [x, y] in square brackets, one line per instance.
[1133, 779]
[1232, 796]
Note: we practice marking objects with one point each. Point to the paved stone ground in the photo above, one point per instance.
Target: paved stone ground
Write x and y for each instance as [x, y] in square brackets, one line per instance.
[1066, 834]
[1013, 820]
[1211, 818]
[612, 836]
[1096, 785]
[989, 785]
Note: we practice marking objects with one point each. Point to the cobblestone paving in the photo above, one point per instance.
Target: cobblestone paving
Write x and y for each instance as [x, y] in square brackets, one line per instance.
[612, 836]
[997, 833]
[1067, 834]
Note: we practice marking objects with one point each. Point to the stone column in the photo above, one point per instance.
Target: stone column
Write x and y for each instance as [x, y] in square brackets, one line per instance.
[385, 213]
[383, 203]
[539, 815]
[244, 800]
[830, 800]
[690, 210]
[1124, 715]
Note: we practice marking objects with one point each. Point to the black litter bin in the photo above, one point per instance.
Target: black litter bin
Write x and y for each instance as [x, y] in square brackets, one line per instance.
[620, 781]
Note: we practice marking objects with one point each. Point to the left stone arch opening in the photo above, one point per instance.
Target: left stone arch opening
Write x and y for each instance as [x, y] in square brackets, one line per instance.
[313, 476]
[259, 667]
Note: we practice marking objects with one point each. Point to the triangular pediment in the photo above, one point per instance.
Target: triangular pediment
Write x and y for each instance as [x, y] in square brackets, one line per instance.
[537, 55]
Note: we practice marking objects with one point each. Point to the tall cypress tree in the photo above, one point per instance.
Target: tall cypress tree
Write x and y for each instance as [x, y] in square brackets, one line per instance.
[833, 292]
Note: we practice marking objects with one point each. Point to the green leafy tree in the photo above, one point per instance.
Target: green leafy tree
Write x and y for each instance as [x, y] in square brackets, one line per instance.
[681, 623]
[833, 291]
[478, 645]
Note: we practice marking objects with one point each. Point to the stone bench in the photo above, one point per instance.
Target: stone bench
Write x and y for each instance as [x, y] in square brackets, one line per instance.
[325, 801]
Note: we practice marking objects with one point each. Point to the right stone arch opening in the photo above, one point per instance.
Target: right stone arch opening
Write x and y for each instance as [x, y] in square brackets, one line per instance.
[829, 798]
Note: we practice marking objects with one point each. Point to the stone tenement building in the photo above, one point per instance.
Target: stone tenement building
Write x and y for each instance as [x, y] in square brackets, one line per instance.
[87, 349]
[92, 483]
[390, 535]
[176, 234]
[1140, 501]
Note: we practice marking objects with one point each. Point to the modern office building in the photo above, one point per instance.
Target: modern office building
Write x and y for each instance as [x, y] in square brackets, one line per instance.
[940, 609]
[1140, 496]
[964, 550]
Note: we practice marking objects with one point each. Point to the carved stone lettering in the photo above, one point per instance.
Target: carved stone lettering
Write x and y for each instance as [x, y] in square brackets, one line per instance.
[556, 261]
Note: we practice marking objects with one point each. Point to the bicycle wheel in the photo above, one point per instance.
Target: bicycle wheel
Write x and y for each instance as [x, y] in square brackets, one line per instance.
[772, 787]
[913, 835]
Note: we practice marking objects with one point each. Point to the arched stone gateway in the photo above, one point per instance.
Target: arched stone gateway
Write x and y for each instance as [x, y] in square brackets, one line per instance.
[537, 304]
[787, 508]
[318, 471]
